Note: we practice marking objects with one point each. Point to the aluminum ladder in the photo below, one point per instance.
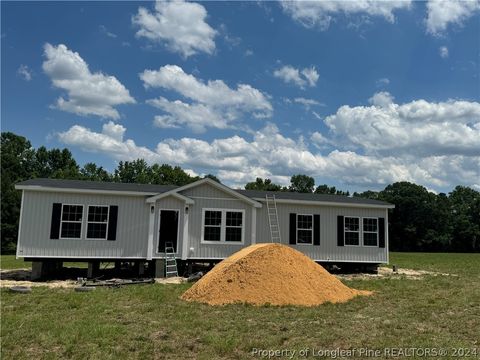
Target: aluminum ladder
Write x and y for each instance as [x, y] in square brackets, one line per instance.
[170, 260]
[273, 219]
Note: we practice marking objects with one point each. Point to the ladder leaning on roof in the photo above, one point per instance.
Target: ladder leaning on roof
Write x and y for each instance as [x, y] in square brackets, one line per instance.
[170, 260]
[273, 219]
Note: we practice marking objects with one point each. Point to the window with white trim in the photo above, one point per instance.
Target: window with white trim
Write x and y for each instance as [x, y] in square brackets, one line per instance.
[223, 226]
[212, 225]
[352, 231]
[71, 221]
[304, 229]
[97, 222]
[370, 231]
[233, 226]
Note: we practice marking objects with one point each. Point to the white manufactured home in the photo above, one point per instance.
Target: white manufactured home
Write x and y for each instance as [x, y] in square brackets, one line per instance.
[70, 220]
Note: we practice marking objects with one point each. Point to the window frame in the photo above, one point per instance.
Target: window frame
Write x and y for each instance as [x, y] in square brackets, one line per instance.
[359, 231]
[68, 221]
[370, 232]
[298, 228]
[223, 226]
[97, 222]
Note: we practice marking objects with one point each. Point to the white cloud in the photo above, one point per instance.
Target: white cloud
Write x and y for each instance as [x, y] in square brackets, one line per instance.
[301, 78]
[109, 142]
[214, 103]
[430, 143]
[382, 82]
[311, 75]
[319, 140]
[443, 51]
[441, 14]
[417, 128]
[237, 160]
[88, 93]
[25, 72]
[196, 116]
[308, 103]
[104, 30]
[180, 25]
[381, 99]
[321, 13]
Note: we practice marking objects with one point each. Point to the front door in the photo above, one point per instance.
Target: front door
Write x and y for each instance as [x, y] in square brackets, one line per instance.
[168, 232]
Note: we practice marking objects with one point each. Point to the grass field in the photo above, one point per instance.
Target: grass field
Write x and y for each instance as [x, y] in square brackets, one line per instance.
[9, 262]
[151, 322]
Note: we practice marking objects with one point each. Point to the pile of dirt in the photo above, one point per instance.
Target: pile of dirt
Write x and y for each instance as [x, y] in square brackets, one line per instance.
[269, 274]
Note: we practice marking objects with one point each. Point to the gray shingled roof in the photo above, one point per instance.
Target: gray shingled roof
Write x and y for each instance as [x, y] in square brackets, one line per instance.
[157, 189]
[286, 195]
[98, 185]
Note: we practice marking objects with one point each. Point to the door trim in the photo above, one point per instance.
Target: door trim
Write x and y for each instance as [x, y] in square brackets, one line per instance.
[159, 224]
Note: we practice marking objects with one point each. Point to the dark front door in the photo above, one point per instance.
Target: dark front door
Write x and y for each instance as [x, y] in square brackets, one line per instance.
[168, 229]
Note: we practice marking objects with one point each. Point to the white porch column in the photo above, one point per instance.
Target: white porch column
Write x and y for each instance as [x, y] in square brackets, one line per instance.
[151, 223]
[254, 225]
[185, 233]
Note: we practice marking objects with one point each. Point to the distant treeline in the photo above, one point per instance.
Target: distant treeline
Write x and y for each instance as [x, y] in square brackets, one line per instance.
[421, 220]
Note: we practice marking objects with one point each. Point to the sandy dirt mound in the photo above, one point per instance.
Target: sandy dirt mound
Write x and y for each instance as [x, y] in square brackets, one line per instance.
[269, 274]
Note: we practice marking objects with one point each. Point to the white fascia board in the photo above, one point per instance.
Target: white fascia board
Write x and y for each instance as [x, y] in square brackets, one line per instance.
[172, 193]
[328, 203]
[82, 191]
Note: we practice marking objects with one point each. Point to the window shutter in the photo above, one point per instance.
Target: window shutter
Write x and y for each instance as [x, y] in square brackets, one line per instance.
[112, 223]
[340, 231]
[293, 229]
[316, 229]
[55, 224]
[381, 232]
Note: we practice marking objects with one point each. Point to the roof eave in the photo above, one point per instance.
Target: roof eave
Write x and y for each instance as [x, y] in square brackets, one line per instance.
[330, 203]
[82, 191]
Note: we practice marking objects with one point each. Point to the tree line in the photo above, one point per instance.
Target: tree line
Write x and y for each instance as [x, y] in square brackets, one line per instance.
[421, 220]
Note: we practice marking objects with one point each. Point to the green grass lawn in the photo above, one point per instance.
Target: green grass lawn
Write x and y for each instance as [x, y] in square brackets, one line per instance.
[151, 322]
[9, 262]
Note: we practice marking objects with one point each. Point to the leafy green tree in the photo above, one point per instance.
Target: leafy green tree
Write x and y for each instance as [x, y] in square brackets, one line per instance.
[56, 163]
[136, 171]
[213, 177]
[264, 185]
[369, 194]
[168, 175]
[17, 165]
[331, 190]
[302, 183]
[92, 172]
[417, 222]
[465, 210]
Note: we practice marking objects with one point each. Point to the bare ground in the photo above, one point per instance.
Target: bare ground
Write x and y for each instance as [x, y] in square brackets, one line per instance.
[386, 272]
[21, 277]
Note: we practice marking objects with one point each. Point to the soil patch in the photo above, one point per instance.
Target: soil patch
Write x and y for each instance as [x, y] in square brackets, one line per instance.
[21, 277]
[385, 272]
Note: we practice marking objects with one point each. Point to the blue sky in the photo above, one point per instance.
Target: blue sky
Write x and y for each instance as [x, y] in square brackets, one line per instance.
[355, 94]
